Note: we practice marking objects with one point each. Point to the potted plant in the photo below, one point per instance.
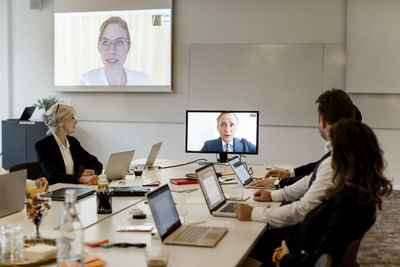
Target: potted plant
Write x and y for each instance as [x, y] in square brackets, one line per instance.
[46, 103]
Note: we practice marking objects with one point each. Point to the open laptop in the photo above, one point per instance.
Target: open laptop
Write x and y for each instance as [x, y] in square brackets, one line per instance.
[242, 173]
[213, 194]
[118, 165]
[170, 228]
[12, 192]
[152, 156]
[26, 115]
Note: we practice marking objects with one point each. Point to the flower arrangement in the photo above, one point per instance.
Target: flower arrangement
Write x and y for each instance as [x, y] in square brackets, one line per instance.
[36, 206]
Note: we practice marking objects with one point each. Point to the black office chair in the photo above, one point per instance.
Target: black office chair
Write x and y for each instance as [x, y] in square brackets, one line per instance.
[349, 258]
[31, 167]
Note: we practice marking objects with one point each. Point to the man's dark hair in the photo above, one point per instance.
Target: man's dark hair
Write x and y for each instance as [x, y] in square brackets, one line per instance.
[335, 105]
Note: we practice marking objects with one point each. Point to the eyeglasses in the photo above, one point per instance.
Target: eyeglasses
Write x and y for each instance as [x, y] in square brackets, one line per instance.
[58, 106]
[118, 44]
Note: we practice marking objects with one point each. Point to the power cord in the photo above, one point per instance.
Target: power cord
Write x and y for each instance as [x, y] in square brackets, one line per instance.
[183, 164]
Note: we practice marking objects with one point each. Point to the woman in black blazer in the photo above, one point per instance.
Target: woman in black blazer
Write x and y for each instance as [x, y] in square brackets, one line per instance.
[350, 206]
[61, 157]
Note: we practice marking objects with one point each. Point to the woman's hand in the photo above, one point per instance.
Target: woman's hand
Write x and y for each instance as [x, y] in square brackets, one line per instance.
[262, 195]
[42, 184]
[243, 212]
[264, 182]
[280, 253]
[88, 172]
[93, 179]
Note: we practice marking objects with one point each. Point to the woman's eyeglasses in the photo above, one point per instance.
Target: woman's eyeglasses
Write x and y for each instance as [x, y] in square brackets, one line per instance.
[118, 44]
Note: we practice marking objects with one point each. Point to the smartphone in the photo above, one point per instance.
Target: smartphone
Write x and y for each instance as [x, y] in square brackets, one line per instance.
[134, 228]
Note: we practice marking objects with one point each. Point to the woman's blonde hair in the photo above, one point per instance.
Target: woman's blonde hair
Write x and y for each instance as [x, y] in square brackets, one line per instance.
[55, 113]
[114, 20]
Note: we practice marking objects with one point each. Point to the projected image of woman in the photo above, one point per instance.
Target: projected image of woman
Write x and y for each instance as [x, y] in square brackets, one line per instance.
[114, 44]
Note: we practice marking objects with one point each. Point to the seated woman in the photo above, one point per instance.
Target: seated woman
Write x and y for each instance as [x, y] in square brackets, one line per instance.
[350, 206]
[60, 156]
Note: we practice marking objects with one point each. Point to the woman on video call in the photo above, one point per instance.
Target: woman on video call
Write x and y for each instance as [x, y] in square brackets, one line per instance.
[114, 44]
[61, 157]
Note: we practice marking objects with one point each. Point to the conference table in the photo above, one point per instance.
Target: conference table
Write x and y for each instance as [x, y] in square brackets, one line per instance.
[232, 249]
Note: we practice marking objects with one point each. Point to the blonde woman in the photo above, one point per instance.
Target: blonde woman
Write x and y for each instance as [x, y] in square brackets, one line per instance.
[114, 44]
[61, 157]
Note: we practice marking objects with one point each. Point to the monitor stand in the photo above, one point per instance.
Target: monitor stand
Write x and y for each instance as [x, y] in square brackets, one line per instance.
[222, 160]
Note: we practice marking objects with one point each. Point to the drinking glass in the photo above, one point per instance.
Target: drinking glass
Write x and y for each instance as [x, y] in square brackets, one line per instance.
[12, 243]
[156, 257]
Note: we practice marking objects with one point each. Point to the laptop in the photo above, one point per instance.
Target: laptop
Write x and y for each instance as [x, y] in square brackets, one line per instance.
[12, 192]
[152, 155]
[242, 173]
[26, 115]
[118, 165]
[59, 194]
[170, 228]
[213, 194]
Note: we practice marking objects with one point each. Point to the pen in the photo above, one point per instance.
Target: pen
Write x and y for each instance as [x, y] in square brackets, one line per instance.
[124, 245]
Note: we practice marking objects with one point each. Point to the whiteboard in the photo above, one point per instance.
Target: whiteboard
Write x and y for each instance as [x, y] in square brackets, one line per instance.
[282, 81]
[373, 46]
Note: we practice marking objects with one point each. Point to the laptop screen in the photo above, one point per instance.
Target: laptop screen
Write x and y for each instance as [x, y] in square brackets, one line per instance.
[210, 185]
[240, 170]
[164, 212]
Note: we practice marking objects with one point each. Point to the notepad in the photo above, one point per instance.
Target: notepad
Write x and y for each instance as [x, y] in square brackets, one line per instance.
[181, 181]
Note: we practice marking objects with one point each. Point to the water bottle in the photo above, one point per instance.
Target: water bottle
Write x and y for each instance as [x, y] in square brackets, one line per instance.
[70, 237]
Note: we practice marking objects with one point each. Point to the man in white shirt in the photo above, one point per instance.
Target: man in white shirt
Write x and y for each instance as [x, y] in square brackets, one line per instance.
[305, 194]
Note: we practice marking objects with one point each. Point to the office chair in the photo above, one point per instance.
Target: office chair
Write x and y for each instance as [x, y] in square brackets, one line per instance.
[349, 258]
[31, 167]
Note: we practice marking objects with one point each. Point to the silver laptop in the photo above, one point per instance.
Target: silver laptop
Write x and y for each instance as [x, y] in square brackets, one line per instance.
[242, 174]
[12, 192]
[170, 228]
[118, 165]
[153, 154]
[213, 193]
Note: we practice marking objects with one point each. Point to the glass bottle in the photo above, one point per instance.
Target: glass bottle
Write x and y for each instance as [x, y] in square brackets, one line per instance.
[70, 239]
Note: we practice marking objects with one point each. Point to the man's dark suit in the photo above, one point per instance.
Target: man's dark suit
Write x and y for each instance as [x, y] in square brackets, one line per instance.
[239, 146]
[52, 164]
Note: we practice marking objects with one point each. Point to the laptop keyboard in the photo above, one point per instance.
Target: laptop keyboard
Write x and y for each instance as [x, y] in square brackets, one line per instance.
[229, 208]
[190, 234]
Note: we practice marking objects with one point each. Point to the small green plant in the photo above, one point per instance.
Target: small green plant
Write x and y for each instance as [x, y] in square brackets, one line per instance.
[46, 103]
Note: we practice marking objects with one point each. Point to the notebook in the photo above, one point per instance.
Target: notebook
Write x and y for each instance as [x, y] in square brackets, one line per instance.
[169, 226]
[59, 194]
[213, 194]
[181, 181]
[118, 165]
[130, 191]
[242, 173]
[12, 192]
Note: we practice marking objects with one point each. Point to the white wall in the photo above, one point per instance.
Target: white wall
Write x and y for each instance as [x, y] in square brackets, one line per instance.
[119, 121]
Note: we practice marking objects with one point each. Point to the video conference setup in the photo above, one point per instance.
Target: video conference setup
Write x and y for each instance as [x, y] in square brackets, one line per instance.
[222, 132]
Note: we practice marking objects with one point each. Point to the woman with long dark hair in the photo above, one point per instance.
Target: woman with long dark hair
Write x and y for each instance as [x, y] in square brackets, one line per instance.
[349, 208]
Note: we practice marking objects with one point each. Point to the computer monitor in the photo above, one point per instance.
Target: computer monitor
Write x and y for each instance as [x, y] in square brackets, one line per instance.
[210, 131]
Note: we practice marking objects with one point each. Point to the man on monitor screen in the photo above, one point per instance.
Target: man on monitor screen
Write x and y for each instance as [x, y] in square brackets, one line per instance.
[227, 124]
